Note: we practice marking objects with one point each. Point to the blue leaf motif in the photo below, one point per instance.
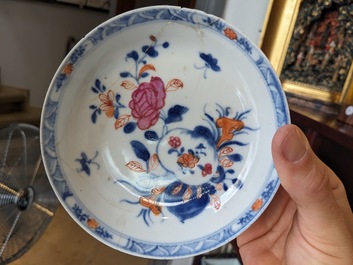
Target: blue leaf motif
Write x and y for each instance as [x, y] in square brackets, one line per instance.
[116, 113]
[96, 112]
[220, 176]
[130, 127]
[140, 150]
[205, 133]
[235, 157]
[125, 74]
[94, 117]
[230, 171]
[134, 55]
[98, 83]
[175, 114]
[151, 135]
[143, 75]
[98, 87]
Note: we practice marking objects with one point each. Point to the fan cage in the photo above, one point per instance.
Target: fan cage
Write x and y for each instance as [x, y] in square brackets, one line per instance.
[27, 201]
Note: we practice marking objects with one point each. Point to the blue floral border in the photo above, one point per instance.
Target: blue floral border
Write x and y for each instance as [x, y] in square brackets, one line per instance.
[94, 38]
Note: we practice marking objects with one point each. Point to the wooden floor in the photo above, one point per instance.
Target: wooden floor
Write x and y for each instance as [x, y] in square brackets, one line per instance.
[65, 243]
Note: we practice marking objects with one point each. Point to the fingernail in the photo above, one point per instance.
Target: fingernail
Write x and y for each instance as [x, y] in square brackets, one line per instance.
[294, 146]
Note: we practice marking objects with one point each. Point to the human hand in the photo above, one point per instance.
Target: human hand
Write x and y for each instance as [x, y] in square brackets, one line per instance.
[309, 220]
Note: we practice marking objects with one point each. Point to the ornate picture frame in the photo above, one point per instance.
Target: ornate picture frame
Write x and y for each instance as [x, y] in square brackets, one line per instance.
[309, 44]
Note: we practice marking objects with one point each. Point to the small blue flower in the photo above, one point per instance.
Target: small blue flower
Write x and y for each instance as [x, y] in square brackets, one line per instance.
[150, 50]
[210, 63]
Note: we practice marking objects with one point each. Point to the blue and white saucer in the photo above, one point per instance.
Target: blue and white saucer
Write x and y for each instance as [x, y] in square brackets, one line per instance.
[156, 132]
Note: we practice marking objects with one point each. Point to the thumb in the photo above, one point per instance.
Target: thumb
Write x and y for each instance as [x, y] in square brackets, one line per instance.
[308, 181]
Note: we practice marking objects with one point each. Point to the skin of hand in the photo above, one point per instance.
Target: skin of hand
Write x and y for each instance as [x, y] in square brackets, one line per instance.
[309, 221]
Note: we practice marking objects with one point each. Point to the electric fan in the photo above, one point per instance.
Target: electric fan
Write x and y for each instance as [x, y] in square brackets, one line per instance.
[27, 201]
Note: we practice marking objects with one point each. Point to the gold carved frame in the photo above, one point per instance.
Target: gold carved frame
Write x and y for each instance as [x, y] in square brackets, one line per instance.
[277, 40]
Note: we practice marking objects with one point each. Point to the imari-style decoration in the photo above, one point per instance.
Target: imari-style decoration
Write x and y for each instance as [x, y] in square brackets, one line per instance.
[199, 161]
[91, 222]
[147, 98]
[156, 132]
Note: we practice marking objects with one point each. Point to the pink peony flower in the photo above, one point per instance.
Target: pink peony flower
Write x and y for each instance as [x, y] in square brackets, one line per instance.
[147, 101]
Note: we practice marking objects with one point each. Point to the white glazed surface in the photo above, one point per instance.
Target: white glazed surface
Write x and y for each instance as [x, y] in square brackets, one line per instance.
[102, 159]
